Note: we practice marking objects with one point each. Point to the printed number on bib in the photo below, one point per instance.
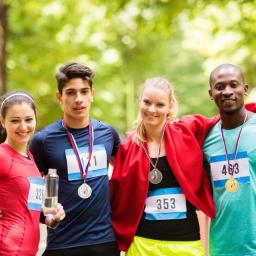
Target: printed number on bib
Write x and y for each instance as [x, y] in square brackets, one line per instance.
[238, 168]
[166, 204]
[97, 166]
[36, 193]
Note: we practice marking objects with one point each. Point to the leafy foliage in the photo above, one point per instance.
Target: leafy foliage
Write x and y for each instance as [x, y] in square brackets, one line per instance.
[125, 42]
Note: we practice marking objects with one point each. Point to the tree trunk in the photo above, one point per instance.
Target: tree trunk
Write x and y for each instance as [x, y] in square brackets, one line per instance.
[3, 30]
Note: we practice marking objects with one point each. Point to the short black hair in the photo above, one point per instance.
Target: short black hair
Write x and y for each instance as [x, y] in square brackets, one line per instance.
[225, 66]
[72, 70]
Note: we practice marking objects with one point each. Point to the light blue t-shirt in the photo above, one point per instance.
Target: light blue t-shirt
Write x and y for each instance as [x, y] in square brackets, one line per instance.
[233, 230]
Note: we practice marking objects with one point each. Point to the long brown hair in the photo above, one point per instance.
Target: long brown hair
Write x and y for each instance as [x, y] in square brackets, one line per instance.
[8, 100]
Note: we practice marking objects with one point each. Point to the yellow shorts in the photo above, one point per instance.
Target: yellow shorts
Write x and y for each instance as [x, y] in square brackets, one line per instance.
[149, 247]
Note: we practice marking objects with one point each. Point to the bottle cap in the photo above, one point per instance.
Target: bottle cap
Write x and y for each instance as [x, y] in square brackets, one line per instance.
[52, 171]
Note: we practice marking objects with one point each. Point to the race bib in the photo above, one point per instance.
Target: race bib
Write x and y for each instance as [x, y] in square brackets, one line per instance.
[36, 193]
[239, 167]
[166, 204]
[97, 166]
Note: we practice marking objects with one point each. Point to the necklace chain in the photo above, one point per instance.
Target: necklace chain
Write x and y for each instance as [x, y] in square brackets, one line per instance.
[83, 169]
[159, 149]
[230, 170]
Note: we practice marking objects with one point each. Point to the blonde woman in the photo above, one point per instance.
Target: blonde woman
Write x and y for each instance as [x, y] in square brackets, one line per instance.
[158, 180]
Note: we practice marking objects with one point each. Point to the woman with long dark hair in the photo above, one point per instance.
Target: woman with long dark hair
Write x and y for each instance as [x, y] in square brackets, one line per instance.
[21, 184]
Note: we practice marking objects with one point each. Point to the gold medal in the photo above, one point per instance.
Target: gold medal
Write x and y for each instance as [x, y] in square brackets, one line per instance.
[232, 185]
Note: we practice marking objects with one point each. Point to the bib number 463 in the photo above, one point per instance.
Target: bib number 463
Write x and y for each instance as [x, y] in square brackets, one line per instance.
[233, 169]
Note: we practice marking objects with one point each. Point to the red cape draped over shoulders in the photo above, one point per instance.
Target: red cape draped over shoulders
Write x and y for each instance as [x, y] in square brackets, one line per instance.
[129, 182]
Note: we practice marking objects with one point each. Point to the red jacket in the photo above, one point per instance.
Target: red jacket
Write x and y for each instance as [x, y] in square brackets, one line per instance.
[129, 182]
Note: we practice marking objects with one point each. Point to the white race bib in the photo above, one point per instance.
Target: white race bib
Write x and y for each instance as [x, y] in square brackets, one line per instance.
[36, 193]
[239, 167]
[98, 163]
[166, 204]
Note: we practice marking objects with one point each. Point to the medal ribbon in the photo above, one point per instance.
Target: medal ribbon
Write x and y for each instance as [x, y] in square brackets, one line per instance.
[83, 169]
[159, 150]
[231, 172]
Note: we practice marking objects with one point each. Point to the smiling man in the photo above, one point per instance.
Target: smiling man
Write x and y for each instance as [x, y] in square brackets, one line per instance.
[80, 148]
[230, 148]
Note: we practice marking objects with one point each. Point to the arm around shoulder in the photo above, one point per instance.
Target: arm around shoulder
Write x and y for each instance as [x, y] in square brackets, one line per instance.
[199, 124]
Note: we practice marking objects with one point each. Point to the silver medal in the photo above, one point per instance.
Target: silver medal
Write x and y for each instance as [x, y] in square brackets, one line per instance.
[155, 176]
[84, 191]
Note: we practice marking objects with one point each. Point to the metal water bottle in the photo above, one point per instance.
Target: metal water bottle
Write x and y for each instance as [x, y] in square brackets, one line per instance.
[51, 193]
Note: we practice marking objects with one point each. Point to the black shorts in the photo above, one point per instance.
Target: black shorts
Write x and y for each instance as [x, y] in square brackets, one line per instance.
[106, 249]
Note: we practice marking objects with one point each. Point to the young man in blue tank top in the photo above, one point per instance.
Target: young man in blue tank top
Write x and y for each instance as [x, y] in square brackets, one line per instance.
[80, 148]
[230, 150]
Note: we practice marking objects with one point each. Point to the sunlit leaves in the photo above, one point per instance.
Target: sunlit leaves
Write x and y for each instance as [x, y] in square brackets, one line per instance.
[125, 42]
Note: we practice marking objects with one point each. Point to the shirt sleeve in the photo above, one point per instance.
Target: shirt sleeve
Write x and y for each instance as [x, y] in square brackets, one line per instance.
[207, 168]
[6, 161]
[36, 147]
[116, 140]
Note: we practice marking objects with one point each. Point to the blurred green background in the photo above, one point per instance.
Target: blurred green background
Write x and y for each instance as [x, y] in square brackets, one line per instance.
[125, 42]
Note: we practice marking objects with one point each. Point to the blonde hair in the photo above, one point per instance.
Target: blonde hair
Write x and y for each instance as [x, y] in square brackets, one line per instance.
[138, 133]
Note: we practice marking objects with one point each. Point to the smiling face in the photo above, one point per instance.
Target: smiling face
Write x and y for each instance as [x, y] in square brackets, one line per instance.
[76, 99]
[154, 106]
[20, 124]
[228, 89]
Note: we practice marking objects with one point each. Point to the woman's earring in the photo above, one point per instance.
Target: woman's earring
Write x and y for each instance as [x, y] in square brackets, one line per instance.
[245, 94]
[92, 99]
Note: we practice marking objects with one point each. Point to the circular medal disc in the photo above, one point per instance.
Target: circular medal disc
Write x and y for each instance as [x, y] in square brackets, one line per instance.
[84, 191]
[155, 176]
[232, 185]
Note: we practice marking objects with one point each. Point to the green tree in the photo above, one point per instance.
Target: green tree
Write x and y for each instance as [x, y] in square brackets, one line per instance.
[125, 42]
[3, 32]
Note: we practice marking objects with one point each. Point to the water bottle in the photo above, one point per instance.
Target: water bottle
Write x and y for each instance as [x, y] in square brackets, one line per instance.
[51, 194]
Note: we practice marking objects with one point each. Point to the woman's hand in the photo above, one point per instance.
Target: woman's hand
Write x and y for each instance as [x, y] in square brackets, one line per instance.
[53, 215]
